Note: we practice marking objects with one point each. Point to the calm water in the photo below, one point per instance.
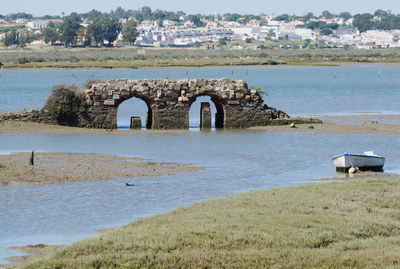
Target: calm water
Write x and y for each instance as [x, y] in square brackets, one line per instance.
[235, 161]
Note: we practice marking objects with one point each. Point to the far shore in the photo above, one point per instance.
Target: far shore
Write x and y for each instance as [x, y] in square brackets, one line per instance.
[302, 64]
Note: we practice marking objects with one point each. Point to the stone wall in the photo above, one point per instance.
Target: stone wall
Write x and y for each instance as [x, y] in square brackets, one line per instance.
[168, 103]
[32, 115]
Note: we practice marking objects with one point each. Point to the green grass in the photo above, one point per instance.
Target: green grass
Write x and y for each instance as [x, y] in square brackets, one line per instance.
[347, 224]
[128, 57]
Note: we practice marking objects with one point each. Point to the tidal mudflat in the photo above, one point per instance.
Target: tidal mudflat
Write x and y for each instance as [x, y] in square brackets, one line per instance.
[57, 168]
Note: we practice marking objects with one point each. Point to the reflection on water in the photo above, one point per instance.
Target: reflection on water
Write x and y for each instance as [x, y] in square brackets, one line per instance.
[235, 162]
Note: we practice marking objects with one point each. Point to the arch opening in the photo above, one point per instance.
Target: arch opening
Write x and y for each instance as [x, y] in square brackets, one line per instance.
[136, 108]
[196, 116]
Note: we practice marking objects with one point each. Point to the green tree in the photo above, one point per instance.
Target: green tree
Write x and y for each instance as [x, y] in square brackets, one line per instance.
[196, 20]
[307, 42]
[130, 32]
[112, 28]
[248, 40]
[232, 17]
[326, 31]
[96, 31]
[75, 17]
[380, 13]
[50, 33]
[25, 37]
[222, 42]
[283, 17]
[389, 22]
[327, 15]
[69, 30]
[345, 15]
[94, 15]
[308, 16]
[10, 38]
[363, 22]
[146, 12]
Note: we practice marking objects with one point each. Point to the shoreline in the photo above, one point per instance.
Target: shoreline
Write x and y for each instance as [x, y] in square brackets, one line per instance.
[303, 64]
[284, 209]
[364, 123]
[59, 168]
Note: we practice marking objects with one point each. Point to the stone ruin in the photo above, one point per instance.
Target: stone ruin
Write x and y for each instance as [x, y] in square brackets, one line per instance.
[168, 103]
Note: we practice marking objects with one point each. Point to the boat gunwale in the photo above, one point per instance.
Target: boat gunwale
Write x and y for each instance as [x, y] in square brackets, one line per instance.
[357, 155]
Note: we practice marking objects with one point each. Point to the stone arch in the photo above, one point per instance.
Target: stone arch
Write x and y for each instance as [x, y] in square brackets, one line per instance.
[169, 102]
[219, 105]
[147, 101]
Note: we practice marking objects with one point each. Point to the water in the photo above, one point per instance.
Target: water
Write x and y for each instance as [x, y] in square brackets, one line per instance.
[235, 161]
[300, 91]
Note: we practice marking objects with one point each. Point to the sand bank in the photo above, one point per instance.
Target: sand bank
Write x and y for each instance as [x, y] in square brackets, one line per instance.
[57, 168]
[355, 124]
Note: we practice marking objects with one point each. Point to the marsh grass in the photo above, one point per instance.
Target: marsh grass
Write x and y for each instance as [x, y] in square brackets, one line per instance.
[189, 57]
[347, 224]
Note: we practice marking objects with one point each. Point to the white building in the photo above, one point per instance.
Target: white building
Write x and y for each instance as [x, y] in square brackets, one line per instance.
[377, 38]
[37, 24]
[305, 33]
[287, 35]
[243, 32]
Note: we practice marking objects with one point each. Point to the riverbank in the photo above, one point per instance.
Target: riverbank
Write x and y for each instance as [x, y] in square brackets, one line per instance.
[132, 57]
[355, 124]
[350, 223]
[58, 168]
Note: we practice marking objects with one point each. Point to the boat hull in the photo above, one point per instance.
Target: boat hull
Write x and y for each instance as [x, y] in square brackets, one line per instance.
[345, 161]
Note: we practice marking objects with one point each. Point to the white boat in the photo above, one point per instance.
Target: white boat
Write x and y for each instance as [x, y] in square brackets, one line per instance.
[368, 161]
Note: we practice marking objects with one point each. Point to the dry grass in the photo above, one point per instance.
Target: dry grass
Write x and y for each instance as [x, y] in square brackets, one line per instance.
[49, 57]
[347, 224]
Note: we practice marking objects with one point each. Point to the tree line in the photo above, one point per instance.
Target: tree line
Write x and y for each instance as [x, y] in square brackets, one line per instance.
[104, 28]
[102, 31]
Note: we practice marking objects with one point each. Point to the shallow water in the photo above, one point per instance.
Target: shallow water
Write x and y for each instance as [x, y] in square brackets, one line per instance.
[235, 161]
[300, 91]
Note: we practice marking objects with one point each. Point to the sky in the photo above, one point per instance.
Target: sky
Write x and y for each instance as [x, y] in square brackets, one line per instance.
[298, 7]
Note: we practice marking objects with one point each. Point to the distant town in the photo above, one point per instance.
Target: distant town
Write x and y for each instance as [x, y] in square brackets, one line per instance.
[148, 28]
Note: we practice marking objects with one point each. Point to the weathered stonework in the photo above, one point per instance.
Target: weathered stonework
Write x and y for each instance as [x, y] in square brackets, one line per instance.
[33, 115]
[168, 103]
